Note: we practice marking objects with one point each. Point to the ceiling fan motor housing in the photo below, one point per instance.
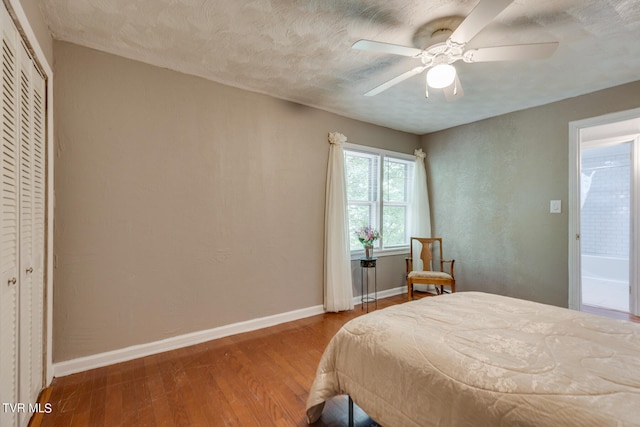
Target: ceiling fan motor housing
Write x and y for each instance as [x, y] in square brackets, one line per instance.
[446, 52]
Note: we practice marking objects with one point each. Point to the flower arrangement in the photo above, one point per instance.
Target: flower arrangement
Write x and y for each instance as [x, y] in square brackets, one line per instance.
[367, 236]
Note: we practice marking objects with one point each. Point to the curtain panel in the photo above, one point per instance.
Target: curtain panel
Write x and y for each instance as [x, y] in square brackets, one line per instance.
[338, 289]
[420, 212]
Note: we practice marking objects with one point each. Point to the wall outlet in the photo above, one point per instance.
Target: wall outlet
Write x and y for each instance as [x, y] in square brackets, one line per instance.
[555, 206]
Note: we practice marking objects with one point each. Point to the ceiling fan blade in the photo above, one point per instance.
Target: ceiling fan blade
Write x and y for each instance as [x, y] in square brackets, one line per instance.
[480, 16]
[511, 53]
[380, 47]
[453, 91]
[395, 81]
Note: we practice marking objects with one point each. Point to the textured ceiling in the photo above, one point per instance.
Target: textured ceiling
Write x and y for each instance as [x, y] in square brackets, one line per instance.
[300, 50]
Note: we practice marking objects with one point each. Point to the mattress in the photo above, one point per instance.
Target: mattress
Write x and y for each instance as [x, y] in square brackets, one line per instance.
[477, 359]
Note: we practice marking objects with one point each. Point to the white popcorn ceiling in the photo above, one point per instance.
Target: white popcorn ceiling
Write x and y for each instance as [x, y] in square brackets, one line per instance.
[300, 50]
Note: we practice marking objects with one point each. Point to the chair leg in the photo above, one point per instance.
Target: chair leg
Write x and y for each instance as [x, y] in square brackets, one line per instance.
[409, 290]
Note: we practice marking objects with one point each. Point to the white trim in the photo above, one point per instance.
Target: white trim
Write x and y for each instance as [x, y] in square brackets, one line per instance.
[634, 250]
[379, 253]
[382, 294]
[99, 360]
[605, 142]
[49, 228]
[574, 296]
[141, 350]
[379, 203]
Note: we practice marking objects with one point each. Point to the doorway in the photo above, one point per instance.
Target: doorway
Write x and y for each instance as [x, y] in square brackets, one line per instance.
[605, 206]
[604, 196]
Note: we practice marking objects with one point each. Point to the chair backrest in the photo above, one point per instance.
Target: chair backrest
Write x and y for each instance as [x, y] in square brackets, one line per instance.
[426, 253]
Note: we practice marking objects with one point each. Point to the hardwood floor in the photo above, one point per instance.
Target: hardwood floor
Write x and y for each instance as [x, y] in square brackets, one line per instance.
[610, 313]
[259, 378]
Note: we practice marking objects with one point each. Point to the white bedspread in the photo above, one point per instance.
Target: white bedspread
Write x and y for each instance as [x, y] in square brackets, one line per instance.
[475, 359]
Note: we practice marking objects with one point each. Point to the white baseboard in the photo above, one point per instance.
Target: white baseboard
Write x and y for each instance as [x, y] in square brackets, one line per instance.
[383, 294]
[80, 364]
[99, 360]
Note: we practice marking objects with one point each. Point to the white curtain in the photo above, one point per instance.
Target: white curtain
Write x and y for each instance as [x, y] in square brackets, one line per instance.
[338, 290]
[420, 225]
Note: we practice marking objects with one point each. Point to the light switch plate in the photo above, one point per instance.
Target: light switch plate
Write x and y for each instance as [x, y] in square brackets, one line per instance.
[555, 206]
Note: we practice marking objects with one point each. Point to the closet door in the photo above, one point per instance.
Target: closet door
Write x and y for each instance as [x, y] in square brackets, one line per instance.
[9, 222]
[22, 226]
[26, 293]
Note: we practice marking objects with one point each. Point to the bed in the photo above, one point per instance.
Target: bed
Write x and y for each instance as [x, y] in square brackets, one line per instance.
[477, 359]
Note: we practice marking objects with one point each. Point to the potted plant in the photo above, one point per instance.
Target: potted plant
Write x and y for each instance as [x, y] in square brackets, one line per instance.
[367, 236]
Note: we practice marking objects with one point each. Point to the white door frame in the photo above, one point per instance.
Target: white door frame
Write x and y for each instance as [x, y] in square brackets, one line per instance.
[574, 206]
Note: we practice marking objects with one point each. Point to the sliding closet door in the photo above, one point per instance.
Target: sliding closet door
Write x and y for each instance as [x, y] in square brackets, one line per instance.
[9, 158]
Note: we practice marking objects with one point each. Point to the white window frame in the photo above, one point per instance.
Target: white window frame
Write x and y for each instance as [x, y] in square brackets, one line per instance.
[378, 204]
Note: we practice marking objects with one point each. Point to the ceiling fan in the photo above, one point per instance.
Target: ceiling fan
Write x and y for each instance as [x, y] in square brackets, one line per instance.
[449, 46]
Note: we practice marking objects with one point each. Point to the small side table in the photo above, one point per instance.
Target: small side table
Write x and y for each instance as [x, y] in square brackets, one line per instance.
[366, 264]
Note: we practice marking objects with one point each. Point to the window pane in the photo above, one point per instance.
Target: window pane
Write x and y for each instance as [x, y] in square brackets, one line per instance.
[396, 175]
[359, 216]
[361, 171]
[394, 225]
[378, 193]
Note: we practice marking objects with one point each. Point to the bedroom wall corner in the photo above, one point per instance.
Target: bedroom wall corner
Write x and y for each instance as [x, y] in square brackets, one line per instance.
[183, 205]
[490, 184]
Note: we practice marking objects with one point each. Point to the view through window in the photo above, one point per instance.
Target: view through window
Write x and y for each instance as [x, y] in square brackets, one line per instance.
[378, 193]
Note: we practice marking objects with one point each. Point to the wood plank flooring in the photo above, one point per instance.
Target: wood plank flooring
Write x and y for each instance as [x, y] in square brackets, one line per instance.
[259, 378]
[610, 313]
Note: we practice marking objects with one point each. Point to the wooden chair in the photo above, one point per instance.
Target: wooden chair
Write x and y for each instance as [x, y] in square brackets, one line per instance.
[427, 276]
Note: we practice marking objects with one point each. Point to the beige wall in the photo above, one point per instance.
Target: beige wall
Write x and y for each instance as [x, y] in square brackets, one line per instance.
[182, 204]
[490, 184]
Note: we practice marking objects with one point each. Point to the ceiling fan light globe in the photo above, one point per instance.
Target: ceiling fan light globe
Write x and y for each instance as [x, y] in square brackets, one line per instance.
[441, 76]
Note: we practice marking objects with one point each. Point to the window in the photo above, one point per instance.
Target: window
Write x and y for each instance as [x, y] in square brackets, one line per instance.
[378, 194]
